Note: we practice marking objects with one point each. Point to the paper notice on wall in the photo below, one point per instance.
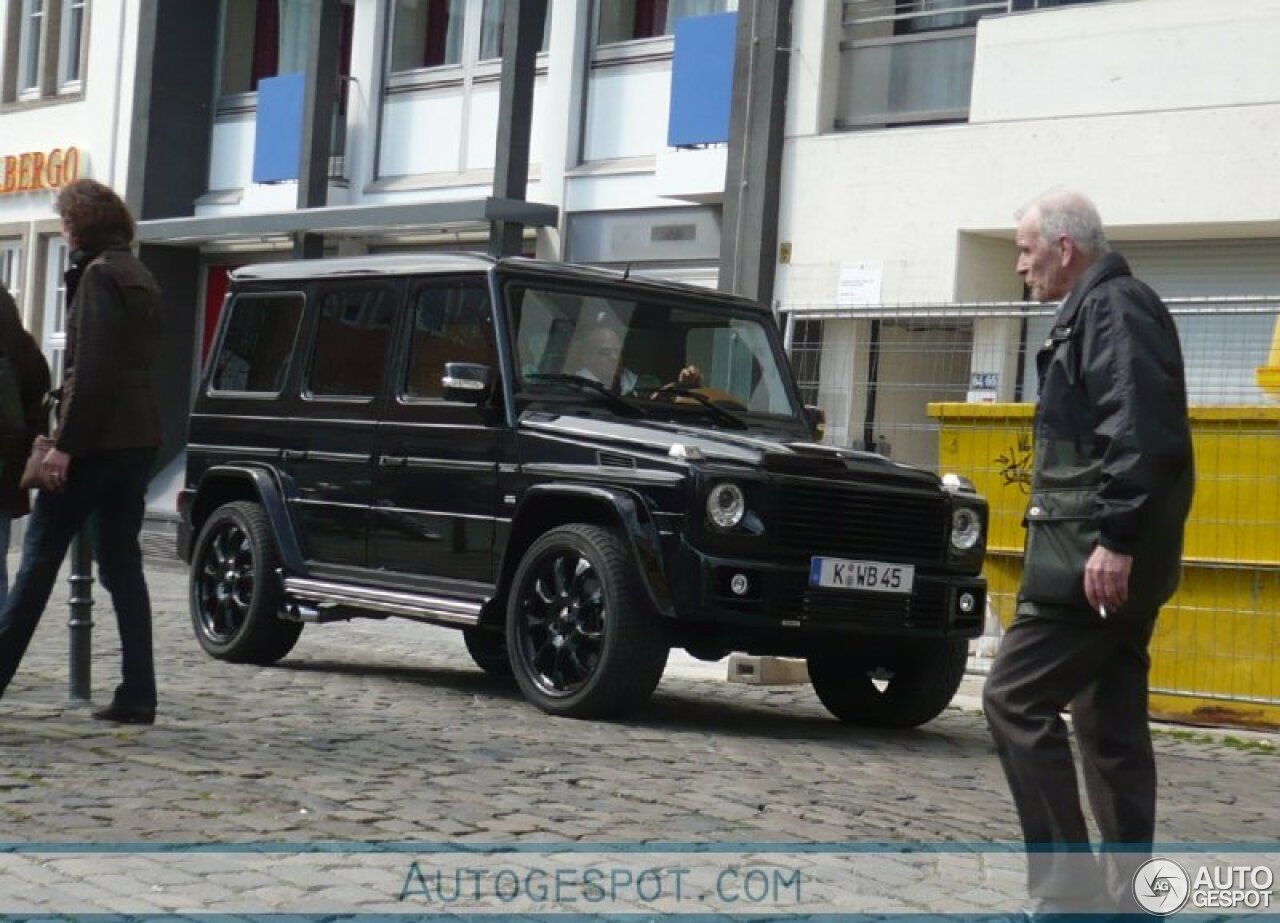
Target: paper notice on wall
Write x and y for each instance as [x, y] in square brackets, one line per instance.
[984, 387]
[860, 284]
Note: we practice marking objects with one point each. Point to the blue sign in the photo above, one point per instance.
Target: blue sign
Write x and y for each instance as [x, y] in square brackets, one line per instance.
[702, 80]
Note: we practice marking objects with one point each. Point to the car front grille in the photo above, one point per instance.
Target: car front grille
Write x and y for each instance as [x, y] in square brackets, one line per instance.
[862, 524]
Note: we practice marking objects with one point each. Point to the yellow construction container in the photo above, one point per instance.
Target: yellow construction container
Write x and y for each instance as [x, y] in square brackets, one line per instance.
[1216, 651]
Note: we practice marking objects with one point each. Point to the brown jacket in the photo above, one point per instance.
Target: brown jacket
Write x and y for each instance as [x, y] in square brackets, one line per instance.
[32, 374]
[113, 326]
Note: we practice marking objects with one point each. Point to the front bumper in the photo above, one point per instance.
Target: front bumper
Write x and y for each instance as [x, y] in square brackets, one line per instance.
[778, 596]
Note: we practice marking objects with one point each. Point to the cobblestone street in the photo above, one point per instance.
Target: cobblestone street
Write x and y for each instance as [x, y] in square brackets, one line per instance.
[384, 732]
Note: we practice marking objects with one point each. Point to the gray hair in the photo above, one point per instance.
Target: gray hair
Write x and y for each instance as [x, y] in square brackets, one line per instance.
[1063, 213]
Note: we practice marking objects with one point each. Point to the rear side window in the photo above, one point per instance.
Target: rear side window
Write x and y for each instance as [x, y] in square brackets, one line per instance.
[352, 337]
[451, 323]
[256, 345]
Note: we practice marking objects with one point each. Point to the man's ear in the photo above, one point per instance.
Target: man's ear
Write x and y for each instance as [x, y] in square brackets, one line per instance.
[1067, 247]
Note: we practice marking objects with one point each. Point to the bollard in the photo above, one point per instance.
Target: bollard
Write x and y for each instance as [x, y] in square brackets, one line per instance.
[81, 621]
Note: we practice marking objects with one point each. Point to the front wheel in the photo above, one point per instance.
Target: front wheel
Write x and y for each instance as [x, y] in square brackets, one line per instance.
[582, 643]
[919, 680]
[235, 593]
[488, 648]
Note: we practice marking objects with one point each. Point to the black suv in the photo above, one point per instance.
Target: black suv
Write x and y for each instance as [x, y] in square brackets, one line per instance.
[578, 469]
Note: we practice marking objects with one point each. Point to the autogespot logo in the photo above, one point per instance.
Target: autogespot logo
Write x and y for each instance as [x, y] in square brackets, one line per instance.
[1161, 887]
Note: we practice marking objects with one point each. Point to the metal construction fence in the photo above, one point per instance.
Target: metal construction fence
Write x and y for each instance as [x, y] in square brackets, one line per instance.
[952, 388]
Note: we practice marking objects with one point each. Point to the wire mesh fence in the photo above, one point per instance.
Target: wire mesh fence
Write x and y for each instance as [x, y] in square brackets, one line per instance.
[952, 388]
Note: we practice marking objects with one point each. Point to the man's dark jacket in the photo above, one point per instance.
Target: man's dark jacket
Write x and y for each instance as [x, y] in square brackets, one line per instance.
[113, 323]
[1113, 446]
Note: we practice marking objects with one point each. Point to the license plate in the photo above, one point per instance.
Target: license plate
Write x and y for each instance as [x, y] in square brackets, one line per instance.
[868, 576]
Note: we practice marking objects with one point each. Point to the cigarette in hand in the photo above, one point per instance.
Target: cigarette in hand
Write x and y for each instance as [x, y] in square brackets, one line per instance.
[1102, 611]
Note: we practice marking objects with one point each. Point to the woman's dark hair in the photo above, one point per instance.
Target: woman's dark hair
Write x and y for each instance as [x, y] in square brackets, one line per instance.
[94, 215]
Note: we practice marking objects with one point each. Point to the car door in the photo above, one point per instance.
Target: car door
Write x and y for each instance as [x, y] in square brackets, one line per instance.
[433, 515]
[332, 469]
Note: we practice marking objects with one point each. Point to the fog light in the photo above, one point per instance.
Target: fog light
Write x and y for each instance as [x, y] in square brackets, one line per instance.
[967, 602]
[740, 584]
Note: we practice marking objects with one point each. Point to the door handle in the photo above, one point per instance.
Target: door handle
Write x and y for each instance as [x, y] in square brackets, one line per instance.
[391, 461]
[295, 454]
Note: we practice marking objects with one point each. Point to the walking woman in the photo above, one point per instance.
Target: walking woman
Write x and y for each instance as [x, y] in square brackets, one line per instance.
[105, 444]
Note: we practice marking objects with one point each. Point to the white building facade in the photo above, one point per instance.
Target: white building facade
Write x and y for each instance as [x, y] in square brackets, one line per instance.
[917, 128]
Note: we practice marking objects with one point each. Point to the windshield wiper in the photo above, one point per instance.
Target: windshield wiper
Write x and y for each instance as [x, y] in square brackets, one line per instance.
[615, 400]
[722, 414]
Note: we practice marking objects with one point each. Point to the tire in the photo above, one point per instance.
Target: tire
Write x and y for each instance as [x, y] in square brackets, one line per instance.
[582, 642]
[235, 594]
[922, 678]
[488, 649]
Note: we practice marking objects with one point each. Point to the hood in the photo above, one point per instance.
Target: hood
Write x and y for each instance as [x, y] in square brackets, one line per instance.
[756, 449]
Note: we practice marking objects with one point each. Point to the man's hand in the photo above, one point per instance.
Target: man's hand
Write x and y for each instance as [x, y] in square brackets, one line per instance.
[55, 468]
[1106, 579]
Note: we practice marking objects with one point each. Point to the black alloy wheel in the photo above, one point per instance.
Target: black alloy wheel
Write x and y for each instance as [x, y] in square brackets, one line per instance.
[583, 643]
[235, 592]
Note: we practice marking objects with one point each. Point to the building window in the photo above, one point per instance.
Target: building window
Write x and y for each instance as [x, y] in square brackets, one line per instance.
[43, 51]
[55, 307]
[910, 62]
[30, 30]
[427, 33]
[260, 39]
[11, 268]
[69, 44]
[631, 20]
[435, 42]
[491, 29]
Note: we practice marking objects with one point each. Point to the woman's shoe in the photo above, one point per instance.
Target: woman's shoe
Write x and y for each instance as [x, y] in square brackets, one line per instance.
[126, 714]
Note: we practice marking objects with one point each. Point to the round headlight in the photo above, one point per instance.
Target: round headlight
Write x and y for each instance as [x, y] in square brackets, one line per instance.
[966, 528]
[726, 505]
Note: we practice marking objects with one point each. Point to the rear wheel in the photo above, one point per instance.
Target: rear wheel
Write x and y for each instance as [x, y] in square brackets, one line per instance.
[235, 593]
[582, 642]
[897, 686]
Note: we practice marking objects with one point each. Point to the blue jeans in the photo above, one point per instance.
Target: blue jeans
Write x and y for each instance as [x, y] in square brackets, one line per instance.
[110, 485]
[6, 526]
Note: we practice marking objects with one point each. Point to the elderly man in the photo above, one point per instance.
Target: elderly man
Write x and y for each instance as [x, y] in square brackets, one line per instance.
[602, 360]
[1111, 489]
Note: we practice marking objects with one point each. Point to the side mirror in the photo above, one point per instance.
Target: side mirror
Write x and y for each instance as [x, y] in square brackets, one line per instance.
[817, 420]
[468, 382]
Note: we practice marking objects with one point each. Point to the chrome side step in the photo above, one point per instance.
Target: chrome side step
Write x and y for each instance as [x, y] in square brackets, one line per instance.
[321, 594]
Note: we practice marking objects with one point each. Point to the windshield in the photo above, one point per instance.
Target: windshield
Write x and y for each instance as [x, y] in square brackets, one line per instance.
[654, 351]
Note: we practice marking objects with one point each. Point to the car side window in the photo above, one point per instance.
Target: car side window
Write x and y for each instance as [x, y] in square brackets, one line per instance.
[353, 332]
[257, 343]
[450, 322]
